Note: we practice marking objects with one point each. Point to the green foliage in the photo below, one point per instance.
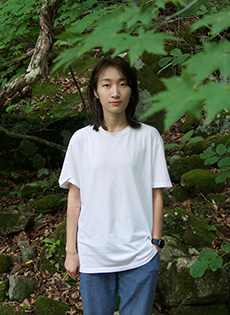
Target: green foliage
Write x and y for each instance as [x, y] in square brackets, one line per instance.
[176, 58]
[52, 247]
[208, 258]
[220, 156]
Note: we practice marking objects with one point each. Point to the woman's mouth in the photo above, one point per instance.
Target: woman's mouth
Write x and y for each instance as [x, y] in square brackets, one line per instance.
[115, 103]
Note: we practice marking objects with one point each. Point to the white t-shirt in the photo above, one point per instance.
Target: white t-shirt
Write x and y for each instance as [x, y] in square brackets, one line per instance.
[115, 173]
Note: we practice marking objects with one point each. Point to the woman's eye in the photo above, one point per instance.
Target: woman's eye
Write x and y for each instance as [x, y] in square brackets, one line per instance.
[123, 84]
[106, 85]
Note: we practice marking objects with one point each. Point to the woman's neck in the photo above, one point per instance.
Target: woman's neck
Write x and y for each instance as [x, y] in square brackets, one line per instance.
[115, 124]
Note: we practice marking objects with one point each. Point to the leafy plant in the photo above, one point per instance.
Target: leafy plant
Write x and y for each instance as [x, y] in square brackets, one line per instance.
[208, 258]
[220, 156]
[186, 139]
[176, 57]
[52, 247]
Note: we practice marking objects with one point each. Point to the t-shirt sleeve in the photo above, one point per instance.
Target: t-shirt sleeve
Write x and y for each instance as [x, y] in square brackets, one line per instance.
[69, 173]
[160, 175]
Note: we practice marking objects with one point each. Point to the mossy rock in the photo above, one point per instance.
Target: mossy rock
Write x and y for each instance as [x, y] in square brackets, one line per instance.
[48, 267]
[29, 190]
[219, 309]
[5, 263]
[191, 122]
[184, 165]
[177, 287]
[180, 194]
[199, 181]
[60, 234]
[20, 288]
[48, 204]
[173, 249]
[201, 208]
[189, 227]
[4, 287]
[46, 306]
[218, 198]
[166, 199]
[11, 223]
[8, 310]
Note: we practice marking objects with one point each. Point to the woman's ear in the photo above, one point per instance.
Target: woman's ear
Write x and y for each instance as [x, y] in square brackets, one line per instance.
[95, 93]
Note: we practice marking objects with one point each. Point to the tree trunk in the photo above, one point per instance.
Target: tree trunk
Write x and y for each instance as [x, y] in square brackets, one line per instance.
[38, 66]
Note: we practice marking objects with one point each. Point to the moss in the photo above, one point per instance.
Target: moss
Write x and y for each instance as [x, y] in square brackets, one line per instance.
[199, 181]
[46, 306]
[183, 165]
[191, 122]
[48, 204]
[5, 263]
[166, 199]
[29, 190]
[48, 267]
[221, 309]
[201, 208]
[4, 287]
[8, 310]
[180, 194]
[218, 198]
[191, 228]
[60, 234]
[11, 223]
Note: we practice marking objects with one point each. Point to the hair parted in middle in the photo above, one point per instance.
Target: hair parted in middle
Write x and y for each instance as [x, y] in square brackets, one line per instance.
[95, 106]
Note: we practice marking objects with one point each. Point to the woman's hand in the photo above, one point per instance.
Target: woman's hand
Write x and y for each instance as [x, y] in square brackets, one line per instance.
[157, 248]
[72, 264]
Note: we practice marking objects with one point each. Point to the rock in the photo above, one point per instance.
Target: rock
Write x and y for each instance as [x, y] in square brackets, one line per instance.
[46, 306]
[173, 248]
[227, 269]
[5, 263]
[29, 190]
[9, 310]
[199, 181]
[48, 204]
[177, 287]
[219, 309]
[191, 122]
[60, 234]
[4, 287]
[184, 165]
[20, 288]
[189, 227]
[11, 223]
[218, 198]
[28, 254]
[180, 194]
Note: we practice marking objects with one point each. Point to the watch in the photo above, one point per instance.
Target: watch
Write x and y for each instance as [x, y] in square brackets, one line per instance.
[160, 243]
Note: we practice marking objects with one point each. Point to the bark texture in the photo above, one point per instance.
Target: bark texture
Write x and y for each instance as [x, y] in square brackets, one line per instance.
[38, 66]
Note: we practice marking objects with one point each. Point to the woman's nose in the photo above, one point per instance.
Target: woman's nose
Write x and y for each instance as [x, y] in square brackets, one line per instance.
[115, 91]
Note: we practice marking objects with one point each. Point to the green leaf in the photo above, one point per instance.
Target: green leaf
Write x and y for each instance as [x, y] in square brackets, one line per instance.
[176, 52]
[219, 22]
[188, 135]
[224, 162]
[207, 154]
[211, 160]
[171, 146]
[198, 268]
[180, 59]
[211, 228]
[216, 96]
[178, 98]
[221, 149]
[226, 247]
[215, 56]
[207, 254]
[192, 251]
[196, 139]
[220, 178]
[164, 61]
[216, 263]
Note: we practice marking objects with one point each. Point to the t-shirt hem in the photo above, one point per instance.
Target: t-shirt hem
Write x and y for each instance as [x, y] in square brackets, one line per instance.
[119, 269]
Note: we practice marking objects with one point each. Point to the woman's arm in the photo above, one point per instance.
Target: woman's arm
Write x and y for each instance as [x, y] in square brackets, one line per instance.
[73, 212]
[157, 214]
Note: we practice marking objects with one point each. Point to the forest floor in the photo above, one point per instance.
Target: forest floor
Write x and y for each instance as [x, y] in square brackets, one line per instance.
[57, 286]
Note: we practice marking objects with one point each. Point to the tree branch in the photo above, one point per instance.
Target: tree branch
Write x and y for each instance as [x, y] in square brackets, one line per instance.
[33, 138]
[38, 66]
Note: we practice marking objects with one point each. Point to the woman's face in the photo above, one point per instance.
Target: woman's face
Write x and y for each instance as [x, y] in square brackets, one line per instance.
[113, 92]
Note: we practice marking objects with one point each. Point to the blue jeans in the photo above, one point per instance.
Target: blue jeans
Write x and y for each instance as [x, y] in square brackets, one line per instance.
[136, 287]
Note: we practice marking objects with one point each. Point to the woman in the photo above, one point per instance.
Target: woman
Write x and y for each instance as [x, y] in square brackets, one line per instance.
[115, 170]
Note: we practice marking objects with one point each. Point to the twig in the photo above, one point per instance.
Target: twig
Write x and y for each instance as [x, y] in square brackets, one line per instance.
[79, 90]
[33, 138]
[180, 12]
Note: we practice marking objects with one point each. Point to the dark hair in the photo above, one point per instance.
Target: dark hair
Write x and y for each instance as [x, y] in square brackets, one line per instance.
[95, 105]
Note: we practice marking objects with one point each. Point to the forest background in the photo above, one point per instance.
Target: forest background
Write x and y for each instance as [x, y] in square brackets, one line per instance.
[48, 49]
